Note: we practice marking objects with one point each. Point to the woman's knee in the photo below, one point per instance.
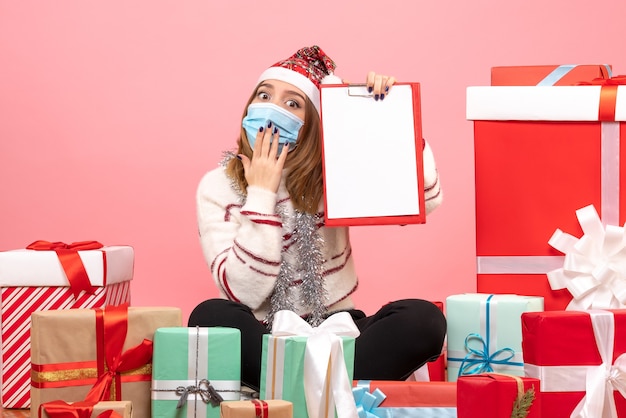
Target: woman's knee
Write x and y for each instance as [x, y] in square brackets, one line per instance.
[421, 317]
[216, 312]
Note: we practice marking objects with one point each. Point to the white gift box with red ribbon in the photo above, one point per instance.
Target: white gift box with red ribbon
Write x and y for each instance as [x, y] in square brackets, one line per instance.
[535, 132]
[32, 280]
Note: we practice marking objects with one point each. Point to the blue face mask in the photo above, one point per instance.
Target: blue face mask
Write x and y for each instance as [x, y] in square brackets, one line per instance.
[259, 114]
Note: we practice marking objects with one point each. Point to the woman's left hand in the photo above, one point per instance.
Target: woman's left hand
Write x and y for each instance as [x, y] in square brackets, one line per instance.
[379, 85]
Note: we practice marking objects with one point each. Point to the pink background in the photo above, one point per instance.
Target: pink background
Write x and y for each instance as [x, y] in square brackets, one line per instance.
[111, 111]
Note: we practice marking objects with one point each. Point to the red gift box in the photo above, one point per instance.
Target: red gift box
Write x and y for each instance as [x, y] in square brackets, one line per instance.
[541, 153]
[492, 395]
[401, 394]
[406, 399]
[36, 280]
[576, 355]
[547, 75]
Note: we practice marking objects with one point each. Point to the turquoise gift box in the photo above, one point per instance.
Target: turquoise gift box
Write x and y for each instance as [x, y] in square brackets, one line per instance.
[485, 333]
[282, 369]
[188, 365]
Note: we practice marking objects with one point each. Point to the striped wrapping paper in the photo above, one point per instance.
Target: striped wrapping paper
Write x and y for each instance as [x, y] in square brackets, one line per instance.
[26, 287]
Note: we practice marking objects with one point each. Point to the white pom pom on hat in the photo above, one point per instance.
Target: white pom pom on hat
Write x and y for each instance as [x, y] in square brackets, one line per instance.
[306, 69]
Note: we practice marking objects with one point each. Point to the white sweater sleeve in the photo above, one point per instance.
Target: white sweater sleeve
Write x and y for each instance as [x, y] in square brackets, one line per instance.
[241, 244]
[432, 188]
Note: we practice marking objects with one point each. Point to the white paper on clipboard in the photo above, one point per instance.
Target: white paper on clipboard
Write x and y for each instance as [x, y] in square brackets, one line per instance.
[370, 165]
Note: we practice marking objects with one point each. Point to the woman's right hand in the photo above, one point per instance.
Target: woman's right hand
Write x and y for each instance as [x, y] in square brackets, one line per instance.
[266, 167]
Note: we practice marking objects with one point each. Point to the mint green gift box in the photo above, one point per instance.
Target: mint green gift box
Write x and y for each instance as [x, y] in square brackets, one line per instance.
[282, 369]
[485, 332]
[188, 360]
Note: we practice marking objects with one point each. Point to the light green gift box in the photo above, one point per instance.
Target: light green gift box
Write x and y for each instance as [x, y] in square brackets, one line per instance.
[282, 369]
[187, 361]
[485, 332]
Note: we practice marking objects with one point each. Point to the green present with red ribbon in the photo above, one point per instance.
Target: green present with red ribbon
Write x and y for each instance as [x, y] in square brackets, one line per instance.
[94, 355]
[49, 276]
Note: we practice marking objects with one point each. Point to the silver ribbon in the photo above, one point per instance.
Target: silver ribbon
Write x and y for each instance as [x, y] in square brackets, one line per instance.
[207, 393]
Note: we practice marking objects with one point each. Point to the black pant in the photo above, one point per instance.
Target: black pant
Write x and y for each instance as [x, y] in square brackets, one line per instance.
[394, 342]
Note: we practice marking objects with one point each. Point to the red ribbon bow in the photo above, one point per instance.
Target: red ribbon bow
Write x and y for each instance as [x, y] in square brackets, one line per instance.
[70, 261]
[62, 409]
[608, 95]
[111, 330]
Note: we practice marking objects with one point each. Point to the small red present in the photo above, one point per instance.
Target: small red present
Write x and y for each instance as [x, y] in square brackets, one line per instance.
[579, 358]
[494, 395]
[547, 75]
[411, 398]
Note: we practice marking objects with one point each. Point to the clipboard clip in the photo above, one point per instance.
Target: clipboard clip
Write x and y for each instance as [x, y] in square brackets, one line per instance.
[358, 90]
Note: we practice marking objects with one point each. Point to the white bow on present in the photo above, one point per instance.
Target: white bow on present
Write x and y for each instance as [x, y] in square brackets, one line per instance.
[594, 271]
[326, 380]
[598, 382]
[603, 379]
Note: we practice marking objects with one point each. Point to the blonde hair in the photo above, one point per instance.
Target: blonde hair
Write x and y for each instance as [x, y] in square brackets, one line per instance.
[304, 164]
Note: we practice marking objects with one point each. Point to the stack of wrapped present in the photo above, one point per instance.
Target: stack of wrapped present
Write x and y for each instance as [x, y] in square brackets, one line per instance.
[549, 152]
[53, 276]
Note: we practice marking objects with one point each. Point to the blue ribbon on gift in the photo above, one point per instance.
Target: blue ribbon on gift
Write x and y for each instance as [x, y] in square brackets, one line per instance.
[479, 360]
[367, 406]
[367, 402]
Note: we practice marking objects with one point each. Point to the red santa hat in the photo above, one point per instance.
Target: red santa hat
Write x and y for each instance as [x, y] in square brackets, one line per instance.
[306, 69]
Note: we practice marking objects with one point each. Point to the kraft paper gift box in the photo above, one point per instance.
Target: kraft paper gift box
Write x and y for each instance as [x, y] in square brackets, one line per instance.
[257, 408]
[541, 153]
[547, 75]
[485, 333]
[189, 364]
[300, 362]
[104, 409]
[96, 354]
[385, 398]
[33, 280]
[579, 358]
[492, 395]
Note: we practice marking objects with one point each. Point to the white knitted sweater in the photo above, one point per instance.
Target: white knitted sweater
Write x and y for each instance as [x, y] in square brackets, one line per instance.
[244, 244]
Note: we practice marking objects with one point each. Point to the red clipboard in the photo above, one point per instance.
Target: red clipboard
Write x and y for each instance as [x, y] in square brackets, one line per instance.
[372, 156]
